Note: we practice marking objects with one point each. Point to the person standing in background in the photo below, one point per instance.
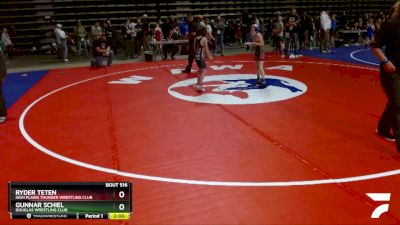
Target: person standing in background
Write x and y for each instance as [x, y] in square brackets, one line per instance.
[219, 35]
[139, 37]
[278, 35]
[333, 30]
[110, 34]
[370, 32]
[183, 28]
[132, 27]
[80, 39]
[146, 33]
[3, 73]
[245, 28]
[61, 37]
[325, 29]
[390, 75]
[210, 37]
[127, 36]
[96, 31]
[292, 33]
[5, 38]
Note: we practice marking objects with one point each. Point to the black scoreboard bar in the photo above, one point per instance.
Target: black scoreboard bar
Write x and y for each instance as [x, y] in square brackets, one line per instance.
[73, 200]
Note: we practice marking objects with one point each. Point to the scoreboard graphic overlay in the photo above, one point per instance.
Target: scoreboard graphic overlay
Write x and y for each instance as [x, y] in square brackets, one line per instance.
[89, 200]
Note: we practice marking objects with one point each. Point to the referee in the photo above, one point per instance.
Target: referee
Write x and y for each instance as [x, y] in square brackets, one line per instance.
[192, 34]
[3, 72]
[389, 36]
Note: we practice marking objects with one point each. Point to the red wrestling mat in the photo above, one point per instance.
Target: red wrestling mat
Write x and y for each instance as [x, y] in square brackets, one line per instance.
[300, 151]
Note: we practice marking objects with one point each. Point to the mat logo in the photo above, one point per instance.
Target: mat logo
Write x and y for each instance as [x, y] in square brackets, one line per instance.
[238, 89]
[380, 197]
[223, 67]
[131, 80]
[214, 67]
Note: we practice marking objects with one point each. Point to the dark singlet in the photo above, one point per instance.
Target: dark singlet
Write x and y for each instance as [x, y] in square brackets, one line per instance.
[259, 53]
[199, 49]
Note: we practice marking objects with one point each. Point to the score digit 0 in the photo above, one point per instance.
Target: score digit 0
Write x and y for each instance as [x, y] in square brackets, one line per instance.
[121, 194]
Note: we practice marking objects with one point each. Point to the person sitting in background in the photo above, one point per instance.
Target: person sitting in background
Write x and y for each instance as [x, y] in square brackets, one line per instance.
[71, 45]
[5, 38]
[172, 48]
[61, 37]
[80, 39]
[101, 49]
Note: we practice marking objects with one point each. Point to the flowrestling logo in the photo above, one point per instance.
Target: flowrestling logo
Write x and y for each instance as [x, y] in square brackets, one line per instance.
[238, 89]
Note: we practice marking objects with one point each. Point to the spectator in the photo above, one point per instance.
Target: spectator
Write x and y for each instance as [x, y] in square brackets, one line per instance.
[219, 35]
[5, 38]
[254, 19]
[139, 37]
[278, 35]
[146, 33]
[80, 39]
[312, 32]
[210, 37]
[127, 37]
[245, 28]
[345, 22]
[360, 24]
[3, 73]
[166, 27]
[132, 27]
[172, 48]
[61, 37]
[317, 26]
[370, 32]
[378, 25]
[101, 49]
[302, 29]
[238, 33]
[183, 28]
[333, 30]
[96, 31]
[158, 34]
[71, 45]
[325, 29]
[110, 34]
[292, 33]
